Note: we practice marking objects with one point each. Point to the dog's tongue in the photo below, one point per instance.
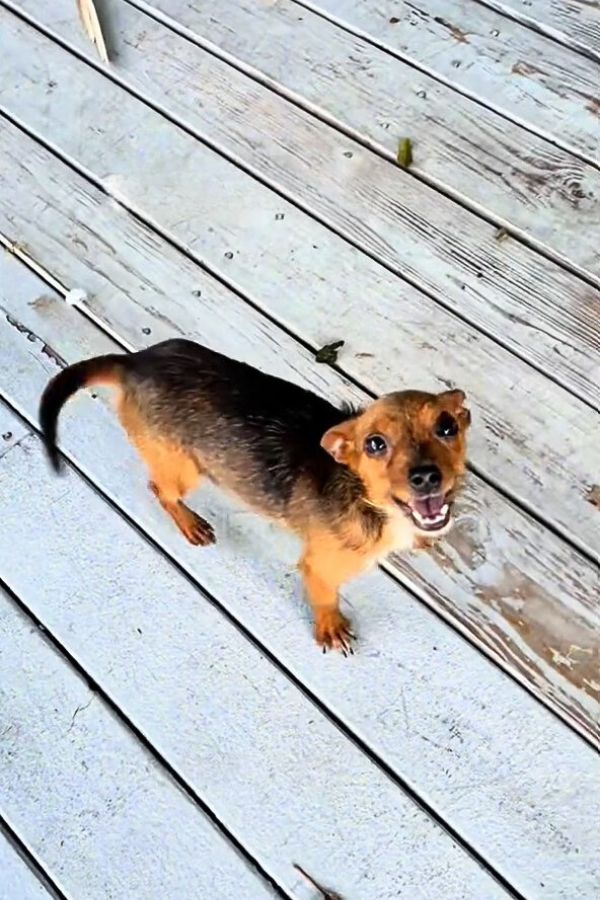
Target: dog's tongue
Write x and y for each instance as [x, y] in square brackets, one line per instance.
[430, 506]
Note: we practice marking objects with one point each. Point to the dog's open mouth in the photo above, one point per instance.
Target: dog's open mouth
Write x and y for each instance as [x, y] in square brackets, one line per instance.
[428, 513]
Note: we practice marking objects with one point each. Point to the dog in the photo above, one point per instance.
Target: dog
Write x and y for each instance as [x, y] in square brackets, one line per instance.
[354, 484]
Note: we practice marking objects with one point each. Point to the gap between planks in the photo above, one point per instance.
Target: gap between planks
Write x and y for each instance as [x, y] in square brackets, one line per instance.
[498, 699]
[583, 37]
[226, 856]
[561, 744]
[369, 752]
[322, 8]
[572, 375]
[537, 509]
[419, 585]
[16, 249]
[517, 229]
[325, 385]
[541, 515]
[394, 571]
[33, 881]
[96, 688]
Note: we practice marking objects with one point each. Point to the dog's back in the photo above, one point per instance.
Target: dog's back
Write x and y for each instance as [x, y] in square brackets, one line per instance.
[251, 432]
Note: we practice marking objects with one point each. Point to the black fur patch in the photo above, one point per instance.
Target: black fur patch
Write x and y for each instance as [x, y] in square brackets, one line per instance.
[227, 407]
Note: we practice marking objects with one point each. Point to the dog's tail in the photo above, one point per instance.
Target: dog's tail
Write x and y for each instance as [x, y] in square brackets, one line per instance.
[106, 370]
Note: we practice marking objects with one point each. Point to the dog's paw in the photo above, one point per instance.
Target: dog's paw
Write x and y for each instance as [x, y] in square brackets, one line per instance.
[198, 531]
[333, 631]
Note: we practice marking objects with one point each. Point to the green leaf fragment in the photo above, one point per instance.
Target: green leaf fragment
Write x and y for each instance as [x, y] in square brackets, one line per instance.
[404, 155]
[329, 353]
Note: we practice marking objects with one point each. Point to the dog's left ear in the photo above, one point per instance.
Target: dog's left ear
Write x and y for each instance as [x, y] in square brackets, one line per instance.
[455, 400]
[339, 441]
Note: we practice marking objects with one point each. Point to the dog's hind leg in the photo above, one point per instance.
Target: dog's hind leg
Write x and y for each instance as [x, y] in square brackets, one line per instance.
[173, 473]
[171, 478]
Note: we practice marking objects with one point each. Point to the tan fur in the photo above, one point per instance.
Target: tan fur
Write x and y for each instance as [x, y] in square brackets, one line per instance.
[173, 473]
[327, 563]
[330, 557]
[325, 567]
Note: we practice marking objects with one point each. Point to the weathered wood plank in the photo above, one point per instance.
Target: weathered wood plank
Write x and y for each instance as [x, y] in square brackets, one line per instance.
[493, 763]
[140, 288]
[529, 78]
[76, 786]
[12, 430]
[575, 22]
[537, 440]
[18, 880]
[531, 305]
[500, 168]
[288, 782]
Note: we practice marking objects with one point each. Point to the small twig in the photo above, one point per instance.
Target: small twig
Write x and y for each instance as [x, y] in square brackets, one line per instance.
[79, 709]
[324, 892]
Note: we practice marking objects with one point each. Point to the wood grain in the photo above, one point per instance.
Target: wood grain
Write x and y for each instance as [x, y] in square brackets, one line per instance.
[526, 76]
[77, 787]
[494, 764]
[531, 305]
[534, 439]
[18, 880]
[463, 148]
[141, 289]
[575, 22]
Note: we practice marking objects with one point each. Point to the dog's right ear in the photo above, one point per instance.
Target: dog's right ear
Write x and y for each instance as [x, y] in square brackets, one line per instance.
[339, 441]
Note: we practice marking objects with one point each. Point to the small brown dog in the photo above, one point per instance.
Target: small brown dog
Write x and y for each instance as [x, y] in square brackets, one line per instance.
[354, 484]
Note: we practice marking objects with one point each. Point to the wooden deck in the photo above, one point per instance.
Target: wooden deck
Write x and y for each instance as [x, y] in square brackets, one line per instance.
[167, 726]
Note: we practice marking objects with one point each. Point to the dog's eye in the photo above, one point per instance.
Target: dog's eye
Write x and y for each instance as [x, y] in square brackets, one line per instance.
[446, 426]
[375, 445]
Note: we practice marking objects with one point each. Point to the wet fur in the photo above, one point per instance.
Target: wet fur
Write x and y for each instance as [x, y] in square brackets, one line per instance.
[192, 412]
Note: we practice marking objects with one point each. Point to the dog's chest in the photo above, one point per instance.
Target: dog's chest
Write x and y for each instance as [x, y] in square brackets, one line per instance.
[398, 534]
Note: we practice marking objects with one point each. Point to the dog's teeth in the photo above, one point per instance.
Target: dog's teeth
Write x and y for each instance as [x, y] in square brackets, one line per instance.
[431, 520]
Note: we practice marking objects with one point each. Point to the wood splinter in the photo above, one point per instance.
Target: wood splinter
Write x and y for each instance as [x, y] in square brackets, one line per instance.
[91, 23]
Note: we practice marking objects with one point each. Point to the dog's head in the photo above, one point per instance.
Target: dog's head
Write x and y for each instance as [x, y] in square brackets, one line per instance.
[409, 449]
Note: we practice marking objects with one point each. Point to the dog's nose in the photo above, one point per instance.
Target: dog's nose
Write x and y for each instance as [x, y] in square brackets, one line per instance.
[424, 479]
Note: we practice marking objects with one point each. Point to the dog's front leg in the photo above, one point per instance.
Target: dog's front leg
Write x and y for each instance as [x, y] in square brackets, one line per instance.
[325, 566]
